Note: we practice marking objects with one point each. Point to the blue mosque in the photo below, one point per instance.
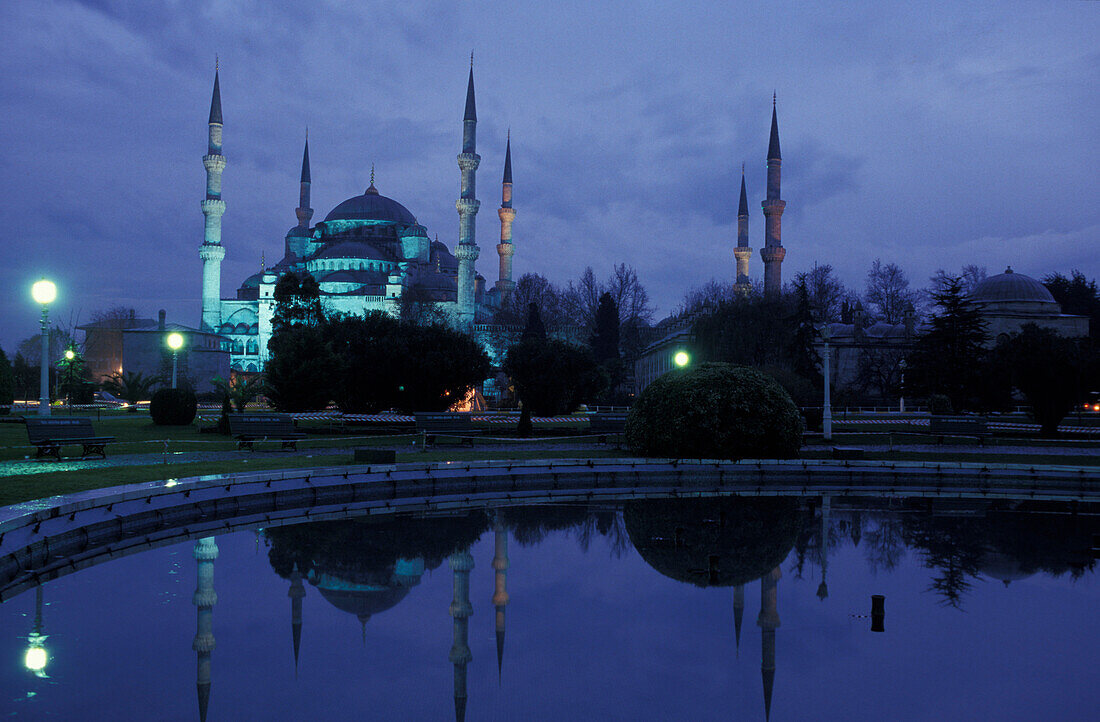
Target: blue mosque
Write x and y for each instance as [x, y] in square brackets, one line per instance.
[368, 254]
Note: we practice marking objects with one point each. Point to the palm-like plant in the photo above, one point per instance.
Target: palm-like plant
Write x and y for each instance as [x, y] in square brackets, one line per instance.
[240, 390]
[131, 386]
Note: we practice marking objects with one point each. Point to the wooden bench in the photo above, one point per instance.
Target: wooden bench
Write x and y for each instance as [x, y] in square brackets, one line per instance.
[605, 425]
[49, 434]
[447, 423]
[247, 429]
[942, 426]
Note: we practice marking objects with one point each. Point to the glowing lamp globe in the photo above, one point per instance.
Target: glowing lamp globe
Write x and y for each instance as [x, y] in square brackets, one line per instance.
[44, 292]
[175, 341]
[70, 354]
[35, 659]
[681, 359]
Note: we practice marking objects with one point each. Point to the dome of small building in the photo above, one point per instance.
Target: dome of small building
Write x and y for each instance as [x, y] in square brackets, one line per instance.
[372, 207]
[1011, 287]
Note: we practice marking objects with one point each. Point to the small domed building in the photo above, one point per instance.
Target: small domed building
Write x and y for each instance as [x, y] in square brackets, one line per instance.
[1010, 300]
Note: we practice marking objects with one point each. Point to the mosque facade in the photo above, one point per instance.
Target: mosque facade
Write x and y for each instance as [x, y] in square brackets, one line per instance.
[369, 253]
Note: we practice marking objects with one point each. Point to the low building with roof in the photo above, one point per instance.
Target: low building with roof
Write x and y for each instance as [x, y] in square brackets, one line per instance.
[1011, 300]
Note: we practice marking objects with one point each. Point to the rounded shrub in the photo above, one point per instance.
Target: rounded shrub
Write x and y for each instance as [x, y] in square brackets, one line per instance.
[173, 407]
[715, 411]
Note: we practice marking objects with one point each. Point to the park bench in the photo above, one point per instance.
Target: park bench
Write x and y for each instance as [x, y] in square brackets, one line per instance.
[49, 434]
[247, 429]
[448, 423]
[605, 425]
[942, 426]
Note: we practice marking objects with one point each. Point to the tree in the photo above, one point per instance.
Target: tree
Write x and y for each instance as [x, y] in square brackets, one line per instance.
[240, 391]
[534, 328]
[74, 378]
[604, 340]
[1077, 295]
[297, 301]
[949, 358]
[131, 386]
[826, 292]
[971, 275]
[582, 299]
[532, 288]
[887, 292]
[25, 378]
[707, 296]
[300, 369]
[31, 347]
[417, 305]
[552, 377]
[1051, 371]
[7, 382]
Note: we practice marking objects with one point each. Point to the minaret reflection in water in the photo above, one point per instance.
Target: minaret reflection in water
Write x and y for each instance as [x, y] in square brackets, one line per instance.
[500, 591]
[461, 609]
[204, 599]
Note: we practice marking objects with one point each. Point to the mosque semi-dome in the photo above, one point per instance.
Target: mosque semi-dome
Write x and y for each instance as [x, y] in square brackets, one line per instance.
[1011, 287]
[371, 206]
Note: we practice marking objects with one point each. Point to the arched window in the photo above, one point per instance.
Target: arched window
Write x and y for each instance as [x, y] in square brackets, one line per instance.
[252, 348]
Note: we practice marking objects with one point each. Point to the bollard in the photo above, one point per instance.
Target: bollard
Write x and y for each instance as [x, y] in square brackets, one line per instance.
[878, 613]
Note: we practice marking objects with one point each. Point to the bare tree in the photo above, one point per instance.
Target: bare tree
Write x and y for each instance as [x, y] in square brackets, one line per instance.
[533, 288]
[582, 299]
[887, 293]
[709, 295]
[971, 275]
[826, 292]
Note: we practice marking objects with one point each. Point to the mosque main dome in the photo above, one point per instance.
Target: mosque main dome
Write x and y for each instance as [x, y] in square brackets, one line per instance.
[1011, 287]
[372, 206]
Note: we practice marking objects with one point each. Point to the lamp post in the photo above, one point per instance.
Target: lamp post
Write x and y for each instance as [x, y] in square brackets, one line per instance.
[827, 412]
[44, 293]
[175, 341]
[901, 396]
[70, 355]
[681, 359]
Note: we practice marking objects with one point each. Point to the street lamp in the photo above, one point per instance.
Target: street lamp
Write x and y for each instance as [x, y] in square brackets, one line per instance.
[175, 342]
[827, 412]
[69, 356]
[44, 293]
[681, 359]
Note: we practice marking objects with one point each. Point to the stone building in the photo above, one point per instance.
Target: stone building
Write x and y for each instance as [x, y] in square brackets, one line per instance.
[1011, 300]
[369, 253]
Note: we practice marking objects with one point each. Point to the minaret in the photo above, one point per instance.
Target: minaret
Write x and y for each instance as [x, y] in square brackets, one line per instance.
[297, 593]
[303, 211]
[507, 214]
[768, 621]
[212, 252]
[204, 599]
[823, 588]
[773, 251]
[738, 613]
[742, 252]
[467, 251]
[461, 564]
[500, 591]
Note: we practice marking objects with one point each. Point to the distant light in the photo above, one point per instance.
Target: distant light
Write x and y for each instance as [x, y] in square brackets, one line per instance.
[175, 341]
[44, 291]
[70, 354]
[681, 359]
[171, 482]
[35, 659]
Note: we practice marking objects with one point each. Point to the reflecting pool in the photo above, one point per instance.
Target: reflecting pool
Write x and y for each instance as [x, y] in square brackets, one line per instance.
[660, 609]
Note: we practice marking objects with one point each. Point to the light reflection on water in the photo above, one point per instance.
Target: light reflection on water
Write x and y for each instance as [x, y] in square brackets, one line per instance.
[672, 609]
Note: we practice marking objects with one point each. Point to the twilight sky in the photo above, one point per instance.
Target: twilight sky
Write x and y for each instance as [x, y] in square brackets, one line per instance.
[931, 135]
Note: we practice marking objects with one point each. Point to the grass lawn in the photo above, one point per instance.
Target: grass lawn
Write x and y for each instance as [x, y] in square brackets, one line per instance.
[14, 489]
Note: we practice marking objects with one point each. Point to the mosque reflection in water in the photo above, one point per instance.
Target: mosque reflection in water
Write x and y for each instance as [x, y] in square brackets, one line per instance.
[364, 566]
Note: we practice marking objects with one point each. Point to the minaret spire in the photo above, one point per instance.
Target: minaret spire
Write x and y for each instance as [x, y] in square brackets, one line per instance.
[507, 214]
[773, 252]
[738, 613]
[297, 593]
[467, 205]
[303, 211]
[742, 252]
[204, 599]
[500, 588]
[768, 621]
[213, 207]
[461, 563]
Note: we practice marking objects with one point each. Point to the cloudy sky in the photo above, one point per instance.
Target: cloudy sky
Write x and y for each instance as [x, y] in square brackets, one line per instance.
[930, 134]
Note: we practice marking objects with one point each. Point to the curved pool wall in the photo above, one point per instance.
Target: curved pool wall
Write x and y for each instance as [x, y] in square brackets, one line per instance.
[49, 538]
